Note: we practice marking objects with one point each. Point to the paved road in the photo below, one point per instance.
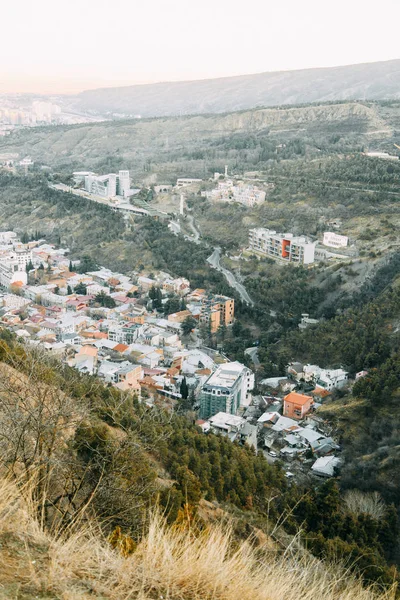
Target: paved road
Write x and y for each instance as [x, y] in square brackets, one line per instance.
[214, 261]
[253, 353]
[192, 225]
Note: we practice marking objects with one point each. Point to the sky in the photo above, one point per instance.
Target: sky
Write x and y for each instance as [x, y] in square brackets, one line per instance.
[65, 46]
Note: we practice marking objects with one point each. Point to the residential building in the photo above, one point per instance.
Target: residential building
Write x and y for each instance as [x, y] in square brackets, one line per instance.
[328, 379]
[296, 406]
[11, 274]
[216, 311]
[226, 390]
[325, 466]
[285, 247]
[117, 372]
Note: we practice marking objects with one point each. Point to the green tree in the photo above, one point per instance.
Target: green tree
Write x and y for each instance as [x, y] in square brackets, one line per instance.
[184, 390]
[80, 289]
[188, 325]
[105, 300]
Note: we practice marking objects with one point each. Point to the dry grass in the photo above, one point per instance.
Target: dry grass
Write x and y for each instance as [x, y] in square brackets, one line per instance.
[168, 563]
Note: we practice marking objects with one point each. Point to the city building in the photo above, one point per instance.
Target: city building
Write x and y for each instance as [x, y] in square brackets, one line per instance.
[296, 406]
[225, 390]
[123, 184]
[282, 246]
[104, 185]
[246, 194]
[214, 310]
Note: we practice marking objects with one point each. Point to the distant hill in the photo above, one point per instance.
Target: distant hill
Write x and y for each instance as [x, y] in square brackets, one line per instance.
[372, 81]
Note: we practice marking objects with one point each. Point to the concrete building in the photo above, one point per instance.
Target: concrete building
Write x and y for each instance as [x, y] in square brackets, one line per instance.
[225, 390]
[282, 246]
[123, 184]
[334, 240]
[296, 406]
[247, 194]
[216, 311]
[104, 186]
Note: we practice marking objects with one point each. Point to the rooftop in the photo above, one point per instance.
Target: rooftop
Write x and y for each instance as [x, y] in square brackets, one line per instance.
[299, 399]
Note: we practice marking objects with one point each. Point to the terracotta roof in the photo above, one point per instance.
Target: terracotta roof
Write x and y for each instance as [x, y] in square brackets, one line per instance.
[203, 372]
[299, 399]
[88, 350]
[321, 392]
[120, 348]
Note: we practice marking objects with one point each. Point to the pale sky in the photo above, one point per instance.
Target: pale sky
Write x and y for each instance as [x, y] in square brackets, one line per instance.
[51, 46]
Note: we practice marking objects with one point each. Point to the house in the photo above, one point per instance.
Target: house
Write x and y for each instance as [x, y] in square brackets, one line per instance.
[296, 405]
[325, 466]
[235, 428]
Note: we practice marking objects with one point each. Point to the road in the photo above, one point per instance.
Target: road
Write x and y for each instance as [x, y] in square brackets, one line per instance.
[253, 353]
[192, 225]
[214, 260]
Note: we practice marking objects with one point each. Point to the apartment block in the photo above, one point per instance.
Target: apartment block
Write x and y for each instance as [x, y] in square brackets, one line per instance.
[217, 311]
[225, 390]
[285, 247]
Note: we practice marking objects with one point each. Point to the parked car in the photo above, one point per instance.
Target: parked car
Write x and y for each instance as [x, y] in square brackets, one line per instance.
[272, 453]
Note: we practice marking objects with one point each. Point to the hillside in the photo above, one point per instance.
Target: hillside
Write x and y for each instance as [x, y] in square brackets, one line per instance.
[89, 467]
[159, 150]
[167, 562]
[371, 81]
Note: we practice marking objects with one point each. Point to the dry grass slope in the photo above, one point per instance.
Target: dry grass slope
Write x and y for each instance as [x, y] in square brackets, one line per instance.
[168, 563]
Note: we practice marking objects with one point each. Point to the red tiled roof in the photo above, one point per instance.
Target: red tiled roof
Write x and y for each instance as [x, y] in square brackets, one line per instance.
[296, 398]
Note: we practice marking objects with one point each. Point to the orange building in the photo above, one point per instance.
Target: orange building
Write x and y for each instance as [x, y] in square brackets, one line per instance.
[296, 406]
[217, 311]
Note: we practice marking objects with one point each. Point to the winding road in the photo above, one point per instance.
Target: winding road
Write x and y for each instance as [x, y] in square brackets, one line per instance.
[215, 261]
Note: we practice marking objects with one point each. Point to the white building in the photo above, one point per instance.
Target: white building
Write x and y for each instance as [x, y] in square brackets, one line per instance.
[124, 183]
[14, 302]
[79, 176]
[329, 379]
[246, 194]
[282, 246]
[333, 240]
[104, 185]
[10, 273]
[8, 237]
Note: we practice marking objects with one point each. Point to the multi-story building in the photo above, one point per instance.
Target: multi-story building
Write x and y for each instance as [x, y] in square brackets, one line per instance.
[123, 184]
[296, 406]
[217, 311]
[282, 246]
[11, 273]
[246, 194]
[104, 186]
[225, 390]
